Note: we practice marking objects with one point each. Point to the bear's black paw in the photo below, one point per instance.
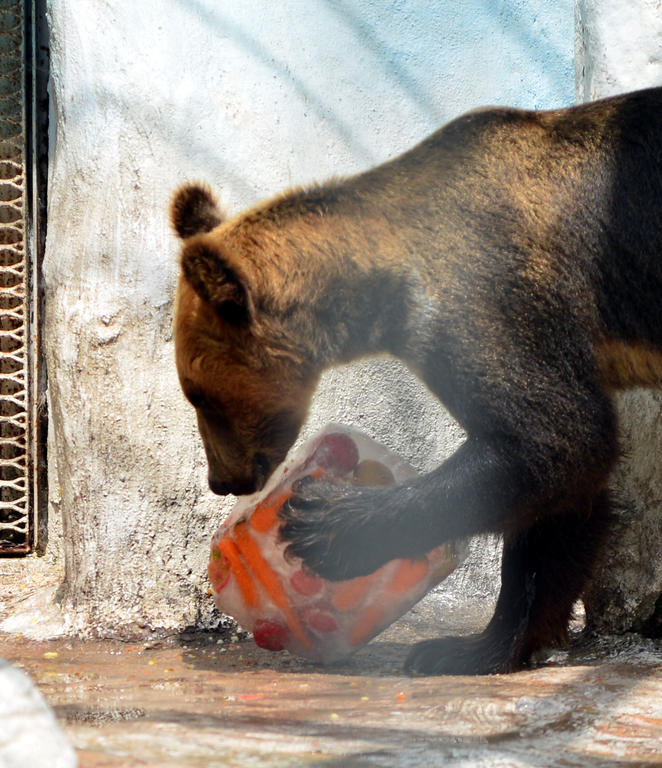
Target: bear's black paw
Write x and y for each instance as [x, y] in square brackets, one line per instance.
[472, 655]
[333, 530]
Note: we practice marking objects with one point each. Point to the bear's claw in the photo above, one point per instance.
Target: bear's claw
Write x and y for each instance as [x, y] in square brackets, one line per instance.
[332, 530]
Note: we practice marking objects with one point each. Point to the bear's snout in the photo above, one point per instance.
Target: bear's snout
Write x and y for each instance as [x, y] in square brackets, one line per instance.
[240, 486]
[218, 487]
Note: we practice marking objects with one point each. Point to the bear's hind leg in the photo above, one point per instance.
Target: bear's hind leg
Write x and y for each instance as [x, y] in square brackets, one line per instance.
[544, 570]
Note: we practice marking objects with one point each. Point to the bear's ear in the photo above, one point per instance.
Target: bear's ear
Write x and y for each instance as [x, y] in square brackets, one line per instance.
[194, 210]
[216, 281]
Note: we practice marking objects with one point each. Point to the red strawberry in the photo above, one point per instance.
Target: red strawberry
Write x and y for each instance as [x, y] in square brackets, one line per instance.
[270, 634]
[337, 452]
[320, 621]
[306, 583]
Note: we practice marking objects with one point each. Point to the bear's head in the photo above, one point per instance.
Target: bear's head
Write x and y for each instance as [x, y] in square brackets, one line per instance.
[250, 386]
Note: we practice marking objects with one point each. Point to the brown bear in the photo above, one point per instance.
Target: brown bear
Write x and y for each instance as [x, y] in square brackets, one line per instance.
[513, 260]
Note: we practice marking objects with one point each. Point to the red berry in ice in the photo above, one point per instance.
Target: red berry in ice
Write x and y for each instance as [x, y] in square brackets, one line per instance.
[320, 621]
[306, 583]
[270, 634]
[337, 452]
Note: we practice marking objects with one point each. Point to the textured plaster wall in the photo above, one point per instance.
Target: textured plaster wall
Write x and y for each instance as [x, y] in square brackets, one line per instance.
[251, 97]
[619, 48]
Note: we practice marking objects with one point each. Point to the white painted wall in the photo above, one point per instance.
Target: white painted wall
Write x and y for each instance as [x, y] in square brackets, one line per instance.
[619, 46]
[252, 97]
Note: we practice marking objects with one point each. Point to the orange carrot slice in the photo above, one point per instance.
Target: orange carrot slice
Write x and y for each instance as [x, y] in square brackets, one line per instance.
[443, 570]
[269, 580]
[407, 574]
[265, 515]
[230, 552]
[367, 623]
[350, 593]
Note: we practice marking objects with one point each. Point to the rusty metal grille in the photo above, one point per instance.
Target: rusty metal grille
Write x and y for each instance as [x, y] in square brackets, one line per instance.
[16, 525]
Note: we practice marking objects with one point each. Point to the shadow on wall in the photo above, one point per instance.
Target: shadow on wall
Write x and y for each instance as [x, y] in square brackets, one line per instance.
[521, 19]
[451, 42]
[282, 70]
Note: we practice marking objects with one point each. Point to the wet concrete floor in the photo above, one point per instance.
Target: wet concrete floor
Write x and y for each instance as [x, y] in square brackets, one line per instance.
[203, 700]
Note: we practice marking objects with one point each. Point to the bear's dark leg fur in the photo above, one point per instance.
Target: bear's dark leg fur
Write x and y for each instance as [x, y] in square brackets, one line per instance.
[543, 572]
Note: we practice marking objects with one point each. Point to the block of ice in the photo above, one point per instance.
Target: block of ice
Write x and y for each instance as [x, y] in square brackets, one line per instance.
[282, 603]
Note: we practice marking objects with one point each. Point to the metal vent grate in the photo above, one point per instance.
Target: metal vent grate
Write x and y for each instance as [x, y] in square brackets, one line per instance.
[15, 518]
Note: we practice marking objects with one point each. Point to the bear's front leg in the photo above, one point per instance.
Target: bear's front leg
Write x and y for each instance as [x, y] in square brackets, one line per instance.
[343, 532]
[544, 570]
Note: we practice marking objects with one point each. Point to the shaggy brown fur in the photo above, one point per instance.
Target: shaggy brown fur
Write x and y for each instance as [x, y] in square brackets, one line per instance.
[513, 260]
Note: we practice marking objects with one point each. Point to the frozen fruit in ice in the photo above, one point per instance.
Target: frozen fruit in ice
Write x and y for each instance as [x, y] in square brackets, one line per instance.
[218, 570]
[306, 583]
[371, 472]
[408, 574]
[277, 597]
[270, 634]
[265, 515]
[348, 594]
[320, 620]
[337, 452]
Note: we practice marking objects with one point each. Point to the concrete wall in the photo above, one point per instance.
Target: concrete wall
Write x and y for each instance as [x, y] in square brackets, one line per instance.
[251, 97]
[619, 48]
